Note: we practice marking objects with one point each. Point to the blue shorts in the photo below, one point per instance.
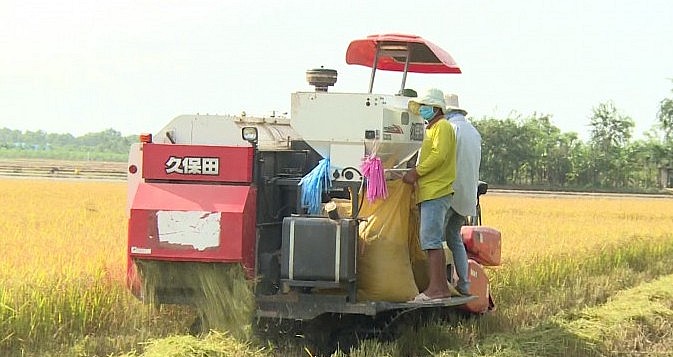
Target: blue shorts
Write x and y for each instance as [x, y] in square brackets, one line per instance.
[434, 217]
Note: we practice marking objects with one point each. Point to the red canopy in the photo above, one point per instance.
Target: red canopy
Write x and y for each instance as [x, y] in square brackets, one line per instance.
[425, 56]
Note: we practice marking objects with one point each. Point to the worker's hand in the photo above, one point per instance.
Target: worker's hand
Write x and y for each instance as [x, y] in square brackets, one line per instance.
[410, 177]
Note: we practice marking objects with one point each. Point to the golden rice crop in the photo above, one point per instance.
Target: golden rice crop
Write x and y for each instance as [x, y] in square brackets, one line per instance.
[535, 227]
[221, 295]
[63, 265]
[59, 227]
[565, 252]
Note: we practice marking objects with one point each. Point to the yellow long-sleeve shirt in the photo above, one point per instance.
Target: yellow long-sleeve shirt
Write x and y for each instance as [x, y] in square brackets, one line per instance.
[437, 162]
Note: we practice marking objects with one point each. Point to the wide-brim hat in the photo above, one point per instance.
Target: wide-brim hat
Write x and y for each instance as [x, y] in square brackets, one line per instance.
[452, 104]
[432, 97]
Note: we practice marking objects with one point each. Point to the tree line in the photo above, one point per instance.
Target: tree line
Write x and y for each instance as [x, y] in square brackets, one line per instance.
[108, 144]
[531, 151]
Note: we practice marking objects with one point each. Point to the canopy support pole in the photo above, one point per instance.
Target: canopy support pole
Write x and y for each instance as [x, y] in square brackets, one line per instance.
[376, 62]
[406, 70]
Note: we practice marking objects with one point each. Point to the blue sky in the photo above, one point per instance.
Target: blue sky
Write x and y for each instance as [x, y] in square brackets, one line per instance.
[81, 66]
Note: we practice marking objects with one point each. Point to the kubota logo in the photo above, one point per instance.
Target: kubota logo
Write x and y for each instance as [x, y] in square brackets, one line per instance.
[193, 165]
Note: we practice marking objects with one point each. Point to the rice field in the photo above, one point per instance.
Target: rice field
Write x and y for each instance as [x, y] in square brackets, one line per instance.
[568, 262]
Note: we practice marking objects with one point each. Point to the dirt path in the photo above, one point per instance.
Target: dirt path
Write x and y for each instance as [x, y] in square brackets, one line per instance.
[62, 169]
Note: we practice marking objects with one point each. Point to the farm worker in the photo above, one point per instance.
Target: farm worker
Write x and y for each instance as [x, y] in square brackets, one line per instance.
[434, 176]
[464, 199]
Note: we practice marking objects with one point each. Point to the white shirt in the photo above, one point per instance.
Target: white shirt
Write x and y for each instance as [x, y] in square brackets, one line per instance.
[468, 158]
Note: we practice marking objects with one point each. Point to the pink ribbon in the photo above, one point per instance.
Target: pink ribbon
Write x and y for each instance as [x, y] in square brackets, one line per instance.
[372, 170]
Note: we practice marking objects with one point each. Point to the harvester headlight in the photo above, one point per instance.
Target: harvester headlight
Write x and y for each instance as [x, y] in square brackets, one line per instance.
[249, 133]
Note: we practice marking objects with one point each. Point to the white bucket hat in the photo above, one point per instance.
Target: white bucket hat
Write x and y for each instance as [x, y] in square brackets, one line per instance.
[433, 97]
[452, 104]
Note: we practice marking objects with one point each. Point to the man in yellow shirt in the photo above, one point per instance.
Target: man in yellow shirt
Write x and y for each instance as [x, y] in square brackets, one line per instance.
[434, 175]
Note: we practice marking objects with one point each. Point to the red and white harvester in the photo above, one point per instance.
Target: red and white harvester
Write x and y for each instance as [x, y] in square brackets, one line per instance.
[224, 190]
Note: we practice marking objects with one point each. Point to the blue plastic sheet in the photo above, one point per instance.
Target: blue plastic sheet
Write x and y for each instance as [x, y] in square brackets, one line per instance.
[313, 185]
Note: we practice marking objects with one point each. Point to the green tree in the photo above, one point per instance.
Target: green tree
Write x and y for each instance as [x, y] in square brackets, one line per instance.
[665, 117]
[611, 132]
[581, 171]
[10, 137]
[60, 140]
[644, 157]
[564, 159]
[108, 144]
[501, 151]
[108, 140]
[543, 148]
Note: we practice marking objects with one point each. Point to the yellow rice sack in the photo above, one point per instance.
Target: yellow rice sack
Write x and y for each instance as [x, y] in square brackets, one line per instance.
[384, 264]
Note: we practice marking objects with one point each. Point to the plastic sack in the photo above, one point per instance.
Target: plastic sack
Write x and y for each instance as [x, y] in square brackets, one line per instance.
[314, 184]
[419, 260]
[372, 170]
[384, 264]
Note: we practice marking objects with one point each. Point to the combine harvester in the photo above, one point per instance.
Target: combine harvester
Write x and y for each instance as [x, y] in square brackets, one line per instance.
[224, 190]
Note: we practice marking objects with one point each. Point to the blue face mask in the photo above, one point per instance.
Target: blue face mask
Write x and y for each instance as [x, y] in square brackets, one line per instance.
[427, 112]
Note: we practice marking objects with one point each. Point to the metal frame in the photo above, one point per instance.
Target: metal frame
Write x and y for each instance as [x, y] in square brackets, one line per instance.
[309, 306]
[397, 50]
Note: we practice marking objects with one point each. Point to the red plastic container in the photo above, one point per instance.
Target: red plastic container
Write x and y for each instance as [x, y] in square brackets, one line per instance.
[482, 244]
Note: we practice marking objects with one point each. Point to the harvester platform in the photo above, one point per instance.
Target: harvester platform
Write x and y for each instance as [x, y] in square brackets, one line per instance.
[308, 306]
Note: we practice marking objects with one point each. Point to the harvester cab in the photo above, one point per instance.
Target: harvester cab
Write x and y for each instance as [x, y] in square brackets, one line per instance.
[223, 190]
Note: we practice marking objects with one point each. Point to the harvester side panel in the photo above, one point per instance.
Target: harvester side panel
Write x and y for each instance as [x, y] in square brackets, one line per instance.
[197, 163]
[479, 288]
[201, 223]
